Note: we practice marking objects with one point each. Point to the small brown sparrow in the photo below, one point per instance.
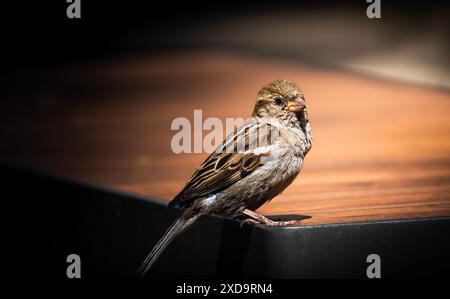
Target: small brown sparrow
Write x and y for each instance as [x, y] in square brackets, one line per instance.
[253, 165]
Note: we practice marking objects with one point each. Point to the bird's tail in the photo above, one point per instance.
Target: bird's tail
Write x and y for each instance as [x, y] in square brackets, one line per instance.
[181, 224]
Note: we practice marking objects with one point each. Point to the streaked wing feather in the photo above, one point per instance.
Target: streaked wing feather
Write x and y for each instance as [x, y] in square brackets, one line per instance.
[222, 169]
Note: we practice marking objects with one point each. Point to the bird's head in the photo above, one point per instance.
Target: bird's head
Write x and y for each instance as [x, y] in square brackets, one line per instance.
[282, 99]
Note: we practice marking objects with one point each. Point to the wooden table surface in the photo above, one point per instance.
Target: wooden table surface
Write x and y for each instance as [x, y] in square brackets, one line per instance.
[381, 149]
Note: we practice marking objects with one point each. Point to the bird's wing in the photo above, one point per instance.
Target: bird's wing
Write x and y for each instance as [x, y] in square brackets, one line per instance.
[224, 168]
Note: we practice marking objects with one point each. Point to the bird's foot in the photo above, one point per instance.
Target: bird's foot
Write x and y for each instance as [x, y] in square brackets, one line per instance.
[249, 221]
[281, 223]
[255, 218]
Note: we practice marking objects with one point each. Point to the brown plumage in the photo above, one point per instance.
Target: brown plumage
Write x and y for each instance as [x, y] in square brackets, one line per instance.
[253, 165]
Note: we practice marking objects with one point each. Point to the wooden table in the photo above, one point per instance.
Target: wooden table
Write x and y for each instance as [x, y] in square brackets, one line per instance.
[381, 149]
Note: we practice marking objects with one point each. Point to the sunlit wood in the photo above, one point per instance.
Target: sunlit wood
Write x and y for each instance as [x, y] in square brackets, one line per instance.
[381, 149]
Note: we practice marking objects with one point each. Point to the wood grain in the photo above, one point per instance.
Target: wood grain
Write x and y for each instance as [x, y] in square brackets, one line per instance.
[381, 149]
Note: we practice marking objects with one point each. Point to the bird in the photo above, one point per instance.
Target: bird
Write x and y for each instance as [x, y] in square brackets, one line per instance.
[251, 166]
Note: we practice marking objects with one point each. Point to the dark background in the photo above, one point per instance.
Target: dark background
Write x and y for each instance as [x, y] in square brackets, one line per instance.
[36, 36]
[38, 33]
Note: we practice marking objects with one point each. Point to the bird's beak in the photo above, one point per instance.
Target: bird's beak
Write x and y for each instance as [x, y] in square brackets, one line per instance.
[296, 105]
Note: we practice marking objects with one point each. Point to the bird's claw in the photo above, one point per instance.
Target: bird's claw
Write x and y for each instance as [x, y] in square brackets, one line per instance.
[269, 222]
[282, 223]
[254, 217]
[248, 221]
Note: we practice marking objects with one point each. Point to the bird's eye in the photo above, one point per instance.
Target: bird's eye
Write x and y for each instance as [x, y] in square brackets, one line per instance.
[279, 101]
